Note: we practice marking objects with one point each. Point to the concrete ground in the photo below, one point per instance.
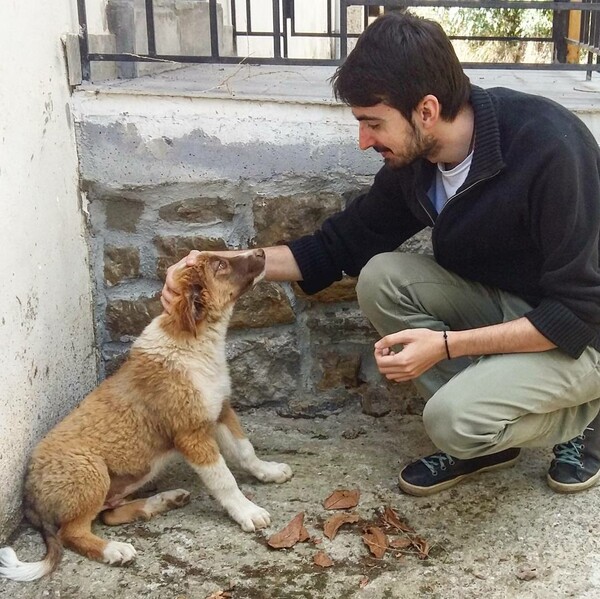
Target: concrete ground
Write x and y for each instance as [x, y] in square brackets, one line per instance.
[483, 534]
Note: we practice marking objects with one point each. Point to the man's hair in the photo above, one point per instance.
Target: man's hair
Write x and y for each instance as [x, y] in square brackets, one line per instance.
[399, 59]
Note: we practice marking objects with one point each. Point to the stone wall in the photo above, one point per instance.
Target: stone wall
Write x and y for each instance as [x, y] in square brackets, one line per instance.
[214, 157]
[306, 355]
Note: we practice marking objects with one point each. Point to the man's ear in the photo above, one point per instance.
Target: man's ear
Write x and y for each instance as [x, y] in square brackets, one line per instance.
[193, 308]
[428, 111]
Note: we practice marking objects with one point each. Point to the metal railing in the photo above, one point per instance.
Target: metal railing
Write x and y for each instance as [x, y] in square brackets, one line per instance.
[575, 37]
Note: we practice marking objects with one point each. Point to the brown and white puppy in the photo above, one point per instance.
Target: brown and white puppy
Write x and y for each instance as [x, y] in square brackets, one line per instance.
[170, 397]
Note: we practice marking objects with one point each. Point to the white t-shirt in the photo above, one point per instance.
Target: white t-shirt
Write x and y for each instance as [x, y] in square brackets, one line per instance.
[448, 181]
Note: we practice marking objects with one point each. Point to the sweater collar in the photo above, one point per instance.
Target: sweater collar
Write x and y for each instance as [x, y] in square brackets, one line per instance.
[487, 157]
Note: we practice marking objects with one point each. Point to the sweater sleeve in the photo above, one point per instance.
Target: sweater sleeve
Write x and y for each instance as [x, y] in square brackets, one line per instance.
[376, 222]
[565, 218]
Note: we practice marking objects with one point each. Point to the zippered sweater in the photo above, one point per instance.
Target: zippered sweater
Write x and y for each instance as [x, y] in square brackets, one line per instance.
[526, 220]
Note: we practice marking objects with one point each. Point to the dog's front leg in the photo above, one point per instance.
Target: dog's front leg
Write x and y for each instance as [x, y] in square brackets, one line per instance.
[201, 451]
[238, 449]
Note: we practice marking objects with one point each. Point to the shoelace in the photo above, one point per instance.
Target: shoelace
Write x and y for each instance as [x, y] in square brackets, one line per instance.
[437, 460]
[570, 452]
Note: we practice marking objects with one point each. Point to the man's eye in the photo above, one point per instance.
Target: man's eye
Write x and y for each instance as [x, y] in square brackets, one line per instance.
[373, 126]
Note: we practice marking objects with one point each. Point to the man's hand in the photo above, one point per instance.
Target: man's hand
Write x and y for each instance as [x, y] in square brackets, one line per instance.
[422, 349]
[169, 290]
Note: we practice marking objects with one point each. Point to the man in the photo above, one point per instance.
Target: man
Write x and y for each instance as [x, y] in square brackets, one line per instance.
[501, 331]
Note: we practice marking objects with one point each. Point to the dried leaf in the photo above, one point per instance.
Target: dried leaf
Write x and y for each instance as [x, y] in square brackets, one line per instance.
[422, 547]
[363, 582]
[332, 525]
[293, 533]
[220, 595]
[376, 541]
[403, 543]
[527, 572]
[323, 560]
[342, 499]
[390, 517]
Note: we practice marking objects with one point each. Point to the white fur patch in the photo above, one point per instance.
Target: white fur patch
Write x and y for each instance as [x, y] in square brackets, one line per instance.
[222, 486]
[118, 553]
[201, 360]
[14, 569]
[165, 501]
[241, 453]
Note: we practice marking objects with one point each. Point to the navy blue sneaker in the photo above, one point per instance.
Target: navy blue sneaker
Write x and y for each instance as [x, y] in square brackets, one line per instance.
[576, 463]
[440, 471]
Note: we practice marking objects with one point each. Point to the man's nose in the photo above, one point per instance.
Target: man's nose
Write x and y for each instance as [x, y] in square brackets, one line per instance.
[365, 138]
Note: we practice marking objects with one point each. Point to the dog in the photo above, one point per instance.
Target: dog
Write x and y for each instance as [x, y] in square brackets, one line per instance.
[171, 396]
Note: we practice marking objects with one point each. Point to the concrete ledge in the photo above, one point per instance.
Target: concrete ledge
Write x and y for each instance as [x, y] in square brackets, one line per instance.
[311, 84]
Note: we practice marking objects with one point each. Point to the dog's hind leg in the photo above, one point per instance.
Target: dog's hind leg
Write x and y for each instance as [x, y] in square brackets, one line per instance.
[77, 535]
[238, 450]
[200, 449]
[144, 509]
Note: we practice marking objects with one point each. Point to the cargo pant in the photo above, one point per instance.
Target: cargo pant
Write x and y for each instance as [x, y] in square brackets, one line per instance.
[481, 404]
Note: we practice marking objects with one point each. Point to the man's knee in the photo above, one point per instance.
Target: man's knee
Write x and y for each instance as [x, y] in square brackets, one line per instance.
[383, 278]
[453, 431]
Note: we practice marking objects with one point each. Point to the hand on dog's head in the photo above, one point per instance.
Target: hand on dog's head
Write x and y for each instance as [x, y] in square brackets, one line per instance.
[209, 288]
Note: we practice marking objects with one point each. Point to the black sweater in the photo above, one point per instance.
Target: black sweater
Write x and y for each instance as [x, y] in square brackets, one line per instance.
[526, 220]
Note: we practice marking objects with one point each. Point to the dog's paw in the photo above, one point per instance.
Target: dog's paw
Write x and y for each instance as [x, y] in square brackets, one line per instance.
[250, 516]
[165, 501]
[273, 472]
[119, 554]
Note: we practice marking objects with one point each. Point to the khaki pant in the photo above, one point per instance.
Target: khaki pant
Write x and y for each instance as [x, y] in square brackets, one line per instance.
[489, 403]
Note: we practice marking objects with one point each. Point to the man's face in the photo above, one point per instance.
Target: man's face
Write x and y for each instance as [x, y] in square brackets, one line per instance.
[399, 141]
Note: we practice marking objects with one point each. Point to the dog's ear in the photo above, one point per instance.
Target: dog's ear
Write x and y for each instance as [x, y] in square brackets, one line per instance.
[193, 308]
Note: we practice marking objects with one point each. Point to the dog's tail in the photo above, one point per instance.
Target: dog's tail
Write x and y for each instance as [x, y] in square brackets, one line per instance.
[11, 567]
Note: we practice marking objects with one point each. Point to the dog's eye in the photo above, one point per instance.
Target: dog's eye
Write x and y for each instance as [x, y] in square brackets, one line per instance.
[222, 264]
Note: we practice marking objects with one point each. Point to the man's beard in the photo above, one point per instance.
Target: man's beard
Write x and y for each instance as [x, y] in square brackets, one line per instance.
[420, 146]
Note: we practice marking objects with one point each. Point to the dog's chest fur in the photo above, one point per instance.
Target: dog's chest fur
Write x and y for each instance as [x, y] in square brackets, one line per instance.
[201, 363]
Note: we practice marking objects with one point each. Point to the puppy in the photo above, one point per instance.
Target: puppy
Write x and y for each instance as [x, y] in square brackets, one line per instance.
[169, 397]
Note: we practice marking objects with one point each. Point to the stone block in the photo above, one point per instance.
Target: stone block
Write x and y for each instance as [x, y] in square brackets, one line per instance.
[265, 370]
[340, 325]
[340, 291]
[114, 355]
[265, 305]
[205, 211]
[282, 219]
[171, 249]
[126, 318]
[337, 369]
[120, 264]
[316, 405]
[123, 214]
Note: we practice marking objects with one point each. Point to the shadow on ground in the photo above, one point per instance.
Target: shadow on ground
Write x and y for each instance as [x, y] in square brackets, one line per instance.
[482, 533]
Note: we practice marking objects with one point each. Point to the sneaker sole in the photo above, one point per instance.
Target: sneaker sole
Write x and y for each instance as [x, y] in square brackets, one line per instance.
[425, 491]
[573, 487]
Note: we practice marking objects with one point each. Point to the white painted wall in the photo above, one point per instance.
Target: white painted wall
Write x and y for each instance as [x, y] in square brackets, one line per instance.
[47, 351]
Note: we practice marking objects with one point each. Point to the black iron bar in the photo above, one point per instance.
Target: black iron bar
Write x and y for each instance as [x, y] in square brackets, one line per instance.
[276, 30]
[326, 62]
[214, 28]
[343, 29]
[514, 4]
[84, 49]
[150, 31]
